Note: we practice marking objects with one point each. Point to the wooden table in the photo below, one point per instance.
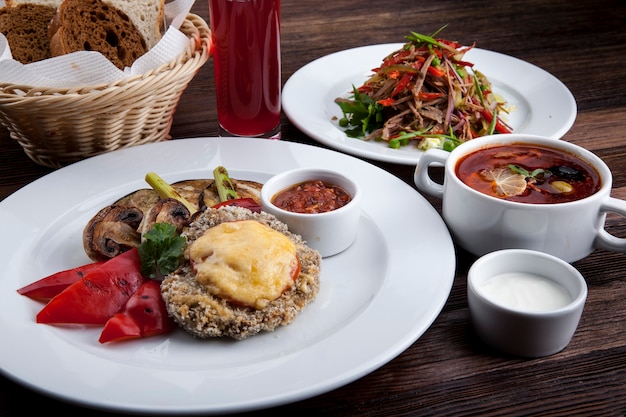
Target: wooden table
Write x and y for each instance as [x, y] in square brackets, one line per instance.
[448, 371]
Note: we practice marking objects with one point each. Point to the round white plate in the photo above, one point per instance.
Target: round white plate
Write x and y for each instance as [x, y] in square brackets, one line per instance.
[541, 104]
[376, 298]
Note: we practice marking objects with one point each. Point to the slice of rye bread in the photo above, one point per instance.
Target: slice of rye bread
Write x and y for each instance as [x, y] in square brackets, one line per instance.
[25, 26]
[147, 15]
[93, 25]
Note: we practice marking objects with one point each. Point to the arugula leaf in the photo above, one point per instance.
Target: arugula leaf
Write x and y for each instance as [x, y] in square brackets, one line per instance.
[161, 250]
[362, 113]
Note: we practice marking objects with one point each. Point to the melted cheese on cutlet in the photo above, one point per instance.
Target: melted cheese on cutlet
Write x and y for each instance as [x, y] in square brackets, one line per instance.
[245, 262]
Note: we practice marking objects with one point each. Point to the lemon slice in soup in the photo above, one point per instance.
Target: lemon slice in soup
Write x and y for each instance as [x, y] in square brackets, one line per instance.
[506, 183]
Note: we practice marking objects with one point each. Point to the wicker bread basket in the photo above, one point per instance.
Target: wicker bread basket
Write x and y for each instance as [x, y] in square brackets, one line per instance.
[57, 127]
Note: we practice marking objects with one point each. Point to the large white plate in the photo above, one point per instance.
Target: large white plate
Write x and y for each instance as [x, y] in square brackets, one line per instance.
[376, 298]
[541, 104]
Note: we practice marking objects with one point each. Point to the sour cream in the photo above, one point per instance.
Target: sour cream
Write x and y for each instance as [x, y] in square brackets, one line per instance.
[526, 292]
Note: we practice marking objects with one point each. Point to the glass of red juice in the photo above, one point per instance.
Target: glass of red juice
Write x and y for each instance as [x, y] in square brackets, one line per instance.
[246, 64]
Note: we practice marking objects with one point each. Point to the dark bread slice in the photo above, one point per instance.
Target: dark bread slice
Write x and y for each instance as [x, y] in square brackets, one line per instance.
[26, 29]
[92, 25]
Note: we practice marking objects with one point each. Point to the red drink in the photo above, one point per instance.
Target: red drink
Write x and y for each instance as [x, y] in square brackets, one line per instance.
[246, 61]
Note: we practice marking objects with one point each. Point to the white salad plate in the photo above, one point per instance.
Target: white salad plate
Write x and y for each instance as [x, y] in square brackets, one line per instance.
[540, 103]
[376, 298]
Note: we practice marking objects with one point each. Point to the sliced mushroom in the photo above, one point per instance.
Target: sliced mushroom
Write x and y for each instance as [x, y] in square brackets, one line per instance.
[111, 231]
[167, 210]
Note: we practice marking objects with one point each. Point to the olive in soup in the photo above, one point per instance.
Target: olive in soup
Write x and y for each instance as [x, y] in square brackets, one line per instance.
[528, 174]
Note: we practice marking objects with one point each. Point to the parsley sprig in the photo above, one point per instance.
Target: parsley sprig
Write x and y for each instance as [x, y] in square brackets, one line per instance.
[161, 250]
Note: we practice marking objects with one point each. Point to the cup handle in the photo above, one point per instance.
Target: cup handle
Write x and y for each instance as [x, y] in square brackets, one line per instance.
[421, 177]
[605, 240]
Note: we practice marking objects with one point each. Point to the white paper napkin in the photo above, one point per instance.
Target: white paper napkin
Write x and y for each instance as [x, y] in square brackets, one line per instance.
[92, 68]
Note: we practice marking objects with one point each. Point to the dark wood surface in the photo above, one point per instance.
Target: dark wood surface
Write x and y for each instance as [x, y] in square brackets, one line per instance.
[448, 371]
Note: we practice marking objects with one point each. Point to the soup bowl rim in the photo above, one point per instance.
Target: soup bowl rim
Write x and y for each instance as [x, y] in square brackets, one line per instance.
[490, 141]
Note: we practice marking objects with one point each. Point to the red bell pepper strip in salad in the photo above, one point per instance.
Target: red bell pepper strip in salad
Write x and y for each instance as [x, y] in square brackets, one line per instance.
[99, 295]
[48, 287]
[144, 315]
[499, 126]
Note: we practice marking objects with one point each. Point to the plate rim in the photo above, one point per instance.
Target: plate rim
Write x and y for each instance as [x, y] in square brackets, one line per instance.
[445, 281]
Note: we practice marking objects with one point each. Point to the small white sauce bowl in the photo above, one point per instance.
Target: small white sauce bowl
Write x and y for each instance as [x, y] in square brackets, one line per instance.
[329, 233]
[528, 317]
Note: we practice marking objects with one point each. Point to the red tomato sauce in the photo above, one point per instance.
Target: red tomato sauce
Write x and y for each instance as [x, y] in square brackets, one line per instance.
[542, 188]
[313, 196]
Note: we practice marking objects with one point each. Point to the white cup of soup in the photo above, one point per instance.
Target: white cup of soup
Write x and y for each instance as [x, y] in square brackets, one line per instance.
[320, 205]
[524, 191]
[524, 302]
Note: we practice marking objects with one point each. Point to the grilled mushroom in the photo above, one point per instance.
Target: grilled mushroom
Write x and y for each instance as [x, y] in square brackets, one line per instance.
[167, 210]
[111, 231]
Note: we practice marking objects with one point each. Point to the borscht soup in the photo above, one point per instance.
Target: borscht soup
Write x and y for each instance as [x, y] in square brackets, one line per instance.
[528, 173]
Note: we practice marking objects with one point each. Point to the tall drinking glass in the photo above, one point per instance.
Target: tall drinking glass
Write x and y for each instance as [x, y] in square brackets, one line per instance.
[246, 62]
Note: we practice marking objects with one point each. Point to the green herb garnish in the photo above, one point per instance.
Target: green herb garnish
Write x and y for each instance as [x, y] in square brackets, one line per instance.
[361, 114]
[537, 174]
[419, 39]
[161, 250]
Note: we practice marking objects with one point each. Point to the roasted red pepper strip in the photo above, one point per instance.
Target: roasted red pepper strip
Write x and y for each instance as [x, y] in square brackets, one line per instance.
[46, 288]
[144, 315]
[499, 127]
[247, 202]
[396, 59]
[436, 71]
[465, 64]
[99, 295]
[394, 74]
[450, 43]
[402, 84]
[428, 96]
[387, 101]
